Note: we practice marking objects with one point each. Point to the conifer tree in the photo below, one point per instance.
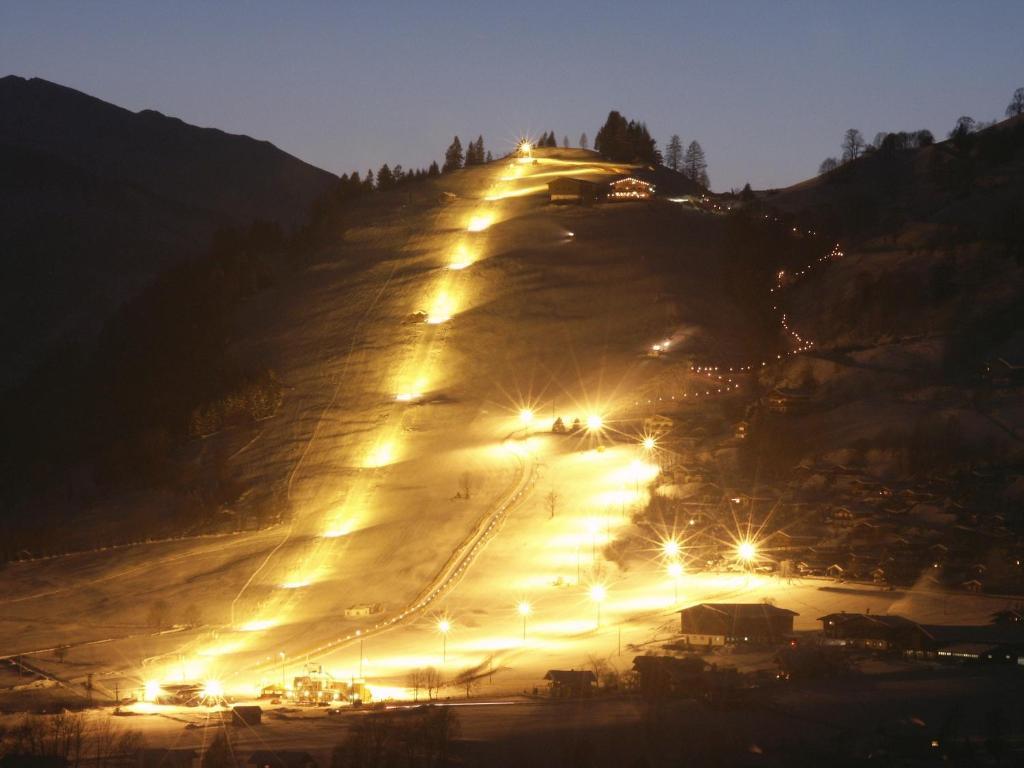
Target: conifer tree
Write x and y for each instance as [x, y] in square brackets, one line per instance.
[583, 141]
[695, 165]
[489, 158]
[453, 157]
[385, 179]
[565, 142]
[433, 170]
[674, 153]
[368, 183]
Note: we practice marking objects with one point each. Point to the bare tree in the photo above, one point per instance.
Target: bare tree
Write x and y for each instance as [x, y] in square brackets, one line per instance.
[965, 125]
[828, 165]
[415, 682]
[599, 666]
[1016, 105]
[853, 145]
[109, 744]
[431, 681]
[551, 503]
[468, 680]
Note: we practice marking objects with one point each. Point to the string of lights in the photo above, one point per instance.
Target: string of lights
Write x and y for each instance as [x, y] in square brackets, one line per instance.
[722, 383]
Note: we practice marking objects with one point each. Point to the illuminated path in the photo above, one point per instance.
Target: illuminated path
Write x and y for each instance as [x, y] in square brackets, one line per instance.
[449, 575]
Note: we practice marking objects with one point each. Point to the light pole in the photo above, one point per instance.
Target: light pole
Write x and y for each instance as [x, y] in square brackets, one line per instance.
[359, 634]
[444, 627]
[525, 609]
[675, 570]
[598, 594]
[670, 549]
[746, 551]
[526, 416]
[280, 655]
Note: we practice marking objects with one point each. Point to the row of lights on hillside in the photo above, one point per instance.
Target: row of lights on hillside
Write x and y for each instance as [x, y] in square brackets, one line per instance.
[802, 344]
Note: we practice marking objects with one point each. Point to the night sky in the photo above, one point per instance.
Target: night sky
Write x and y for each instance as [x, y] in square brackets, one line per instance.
[767, 87]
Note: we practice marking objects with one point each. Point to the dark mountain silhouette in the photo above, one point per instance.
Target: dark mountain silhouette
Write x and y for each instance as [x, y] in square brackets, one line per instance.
[96, 200]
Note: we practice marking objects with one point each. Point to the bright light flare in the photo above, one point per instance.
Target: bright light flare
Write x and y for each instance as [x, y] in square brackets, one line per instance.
[671, 549]
[649, 443]
[594, 422]
[441, 311]
[258, 625]
[444, 626]
[382, 455]
[675, 570]
[461, 259]
[480, 222]
[598, 593]
[524, 608]
[151, 691]
[746, 551]
[213, 689]
[526, 416]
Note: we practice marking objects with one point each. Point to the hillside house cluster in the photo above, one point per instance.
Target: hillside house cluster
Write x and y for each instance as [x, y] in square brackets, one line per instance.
[998, 643]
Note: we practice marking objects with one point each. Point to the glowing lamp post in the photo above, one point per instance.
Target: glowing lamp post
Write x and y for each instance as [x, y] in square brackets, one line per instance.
[598, 593]
[359, 634]
[444, 627]
[746, 552]
[670, 549]
[213, 689]
[526, 417]
[524, 609]
[675, 570]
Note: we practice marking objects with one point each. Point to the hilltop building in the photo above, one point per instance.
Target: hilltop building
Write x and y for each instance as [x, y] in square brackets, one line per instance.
[570, 190]
[630, 188]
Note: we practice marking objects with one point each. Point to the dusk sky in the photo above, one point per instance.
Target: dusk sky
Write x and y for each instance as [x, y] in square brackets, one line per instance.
[767, 88]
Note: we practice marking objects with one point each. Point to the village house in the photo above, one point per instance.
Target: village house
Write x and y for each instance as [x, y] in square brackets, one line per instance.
[570, 683]
[1004, 372]
[884, 633]
[786, 400]
[717, 624]
[657, 425]
[363, 609]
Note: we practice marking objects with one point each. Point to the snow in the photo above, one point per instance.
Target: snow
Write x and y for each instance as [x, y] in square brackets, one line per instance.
[366, 481]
